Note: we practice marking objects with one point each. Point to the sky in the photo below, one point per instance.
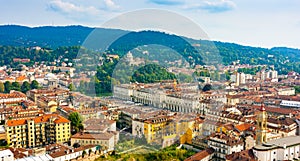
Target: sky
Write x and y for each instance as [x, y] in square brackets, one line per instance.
[260, 23]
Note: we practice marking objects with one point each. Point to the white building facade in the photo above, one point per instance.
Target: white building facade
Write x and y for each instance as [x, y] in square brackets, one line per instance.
[183, 102]
[280, 149]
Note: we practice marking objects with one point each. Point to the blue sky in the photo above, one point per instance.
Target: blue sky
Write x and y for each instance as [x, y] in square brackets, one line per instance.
[262, 23]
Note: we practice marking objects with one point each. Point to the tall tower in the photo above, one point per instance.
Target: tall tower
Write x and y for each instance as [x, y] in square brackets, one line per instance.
[237, 80]
[175, 84]
[261, 127]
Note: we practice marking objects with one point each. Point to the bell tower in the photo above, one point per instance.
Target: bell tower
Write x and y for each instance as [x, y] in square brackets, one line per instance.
[261, 127]
[175, 84]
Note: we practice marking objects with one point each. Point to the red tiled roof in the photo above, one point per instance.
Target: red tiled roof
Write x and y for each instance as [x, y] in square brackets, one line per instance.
[20, 78]
[246, 155]
[44, 118]
[97, 136]
[243, 127]
[201, 155]
[14, 94]
[16, 122]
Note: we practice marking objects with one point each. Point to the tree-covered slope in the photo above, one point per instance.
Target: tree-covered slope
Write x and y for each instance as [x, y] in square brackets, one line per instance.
[152, 73]
[284, 59]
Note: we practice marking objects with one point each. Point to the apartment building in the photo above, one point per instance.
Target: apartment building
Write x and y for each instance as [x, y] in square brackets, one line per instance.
[287, 91]
[58, 93]
[48, 104]
[166, 128]
[37, 131]
[224, 145]
[12, 97]
[106, 140]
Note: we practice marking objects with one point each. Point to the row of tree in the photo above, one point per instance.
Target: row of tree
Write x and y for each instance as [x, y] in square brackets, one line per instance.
[251, 71]
[7, 86]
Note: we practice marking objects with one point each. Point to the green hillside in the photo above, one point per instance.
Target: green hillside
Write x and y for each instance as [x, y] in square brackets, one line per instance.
[16, 39]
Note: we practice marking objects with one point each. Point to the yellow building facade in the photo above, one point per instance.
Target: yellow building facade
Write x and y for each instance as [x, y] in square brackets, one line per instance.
[38, 131]
[169, 130]
[48, 104]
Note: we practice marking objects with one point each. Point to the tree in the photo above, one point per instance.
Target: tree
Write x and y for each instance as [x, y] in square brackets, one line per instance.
[227, 75]
[81, 87]
[34, 84]
[207, 87]
[25, 87]
[90, 151]
[2, 88]
[141, 140]
[7, 87]
[184, 78]
[16, 86]
[83, 153]
[71, 87]
[152, 73]
[297, 89]
[76, 122]
[76, 145]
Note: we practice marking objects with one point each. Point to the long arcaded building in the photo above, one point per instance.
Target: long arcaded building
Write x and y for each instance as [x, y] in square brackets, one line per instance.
[185, 98]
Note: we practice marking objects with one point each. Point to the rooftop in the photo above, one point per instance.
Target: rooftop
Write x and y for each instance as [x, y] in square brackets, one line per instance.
[98, 136]
[39, 119]
[279, 143]
[201, 155]
[245, 155]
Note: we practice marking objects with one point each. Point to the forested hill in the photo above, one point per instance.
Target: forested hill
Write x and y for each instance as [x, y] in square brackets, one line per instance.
[46, 36]
[284, 59]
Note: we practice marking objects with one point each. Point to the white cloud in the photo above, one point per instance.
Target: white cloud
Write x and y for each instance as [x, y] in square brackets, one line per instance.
[70, 8]
[84, 12]
[167, 2]
[110, 4]
[214, 6]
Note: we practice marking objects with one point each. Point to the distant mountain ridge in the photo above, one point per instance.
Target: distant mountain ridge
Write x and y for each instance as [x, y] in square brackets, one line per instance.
[46, 36]
[55, 36]
[284, 59]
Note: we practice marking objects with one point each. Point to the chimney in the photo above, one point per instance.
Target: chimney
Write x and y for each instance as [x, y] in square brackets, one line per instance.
[262, 107]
